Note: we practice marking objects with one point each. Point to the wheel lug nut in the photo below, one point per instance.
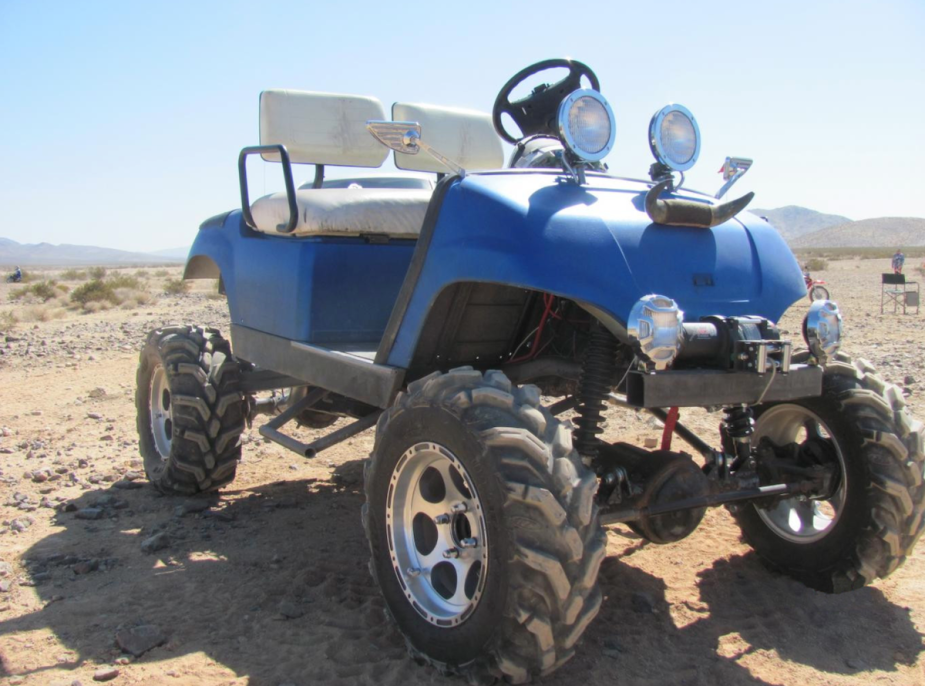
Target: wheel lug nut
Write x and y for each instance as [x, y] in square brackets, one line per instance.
[442, 519]
[451, 553]
[459, 508]
[469, 542]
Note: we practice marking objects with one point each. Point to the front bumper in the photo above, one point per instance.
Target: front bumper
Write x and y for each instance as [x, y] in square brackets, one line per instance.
[706, 387]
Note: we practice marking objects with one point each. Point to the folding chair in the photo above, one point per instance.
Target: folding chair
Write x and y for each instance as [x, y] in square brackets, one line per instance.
[895, 289]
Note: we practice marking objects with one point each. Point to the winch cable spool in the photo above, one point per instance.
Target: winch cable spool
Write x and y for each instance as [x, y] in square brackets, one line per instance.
[598, 369]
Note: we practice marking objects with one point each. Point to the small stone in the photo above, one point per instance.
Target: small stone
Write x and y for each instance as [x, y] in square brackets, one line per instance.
[89, 513]
[19, 525]
[6, 569]
[138, 640]
[133, 476]
[94, 415]
[40, 476]
[98, 392]
[908, 380]
[86, 566]
[105, 674]
[650, 442]
[197, 505]
[290, 610]
[155, 543]
[642, 603]
[126, 485]
[856, 663]
[5, 585]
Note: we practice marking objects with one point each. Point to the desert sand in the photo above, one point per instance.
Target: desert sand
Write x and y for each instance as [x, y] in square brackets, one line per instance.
[266, 583]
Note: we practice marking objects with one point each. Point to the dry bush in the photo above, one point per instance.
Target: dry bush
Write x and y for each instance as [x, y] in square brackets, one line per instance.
[94, 291]
[43, 291]
[162, 273]
[73, 275]
[816, 264]
[132, 298]
[8, 320]
[96, 306]
[142, 273]
[176, 286]
[41, 313]
[64, 288]
[118, 281]
[97, 273]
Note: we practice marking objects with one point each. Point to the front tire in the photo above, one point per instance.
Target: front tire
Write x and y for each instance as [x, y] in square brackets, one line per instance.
[190, 411]
[819, 293]
[529, 524]
[875, 516]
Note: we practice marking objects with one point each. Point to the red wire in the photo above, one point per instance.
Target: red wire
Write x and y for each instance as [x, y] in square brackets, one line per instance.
[534, 350]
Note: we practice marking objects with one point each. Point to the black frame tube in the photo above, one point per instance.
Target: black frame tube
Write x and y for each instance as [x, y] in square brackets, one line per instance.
[287, 177]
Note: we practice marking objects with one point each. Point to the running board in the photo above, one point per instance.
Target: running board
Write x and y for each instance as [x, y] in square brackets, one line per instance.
[271, 430]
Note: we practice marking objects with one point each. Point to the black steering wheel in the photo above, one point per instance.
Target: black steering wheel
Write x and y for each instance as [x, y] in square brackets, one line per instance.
[535, 114]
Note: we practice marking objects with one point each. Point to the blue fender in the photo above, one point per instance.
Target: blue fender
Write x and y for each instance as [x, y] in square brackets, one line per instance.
[596, 245]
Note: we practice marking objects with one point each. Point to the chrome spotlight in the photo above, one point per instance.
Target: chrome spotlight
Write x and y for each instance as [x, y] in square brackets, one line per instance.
[655, 326]
[822, 330]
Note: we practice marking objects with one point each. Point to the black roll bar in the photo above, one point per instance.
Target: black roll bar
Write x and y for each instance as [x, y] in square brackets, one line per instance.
[287, 176]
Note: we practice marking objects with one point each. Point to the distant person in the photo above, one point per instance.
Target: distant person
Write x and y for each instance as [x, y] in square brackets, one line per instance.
[16, 276]
[898, 261]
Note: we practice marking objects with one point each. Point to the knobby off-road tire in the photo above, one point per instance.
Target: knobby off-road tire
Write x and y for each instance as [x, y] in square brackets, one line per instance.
[883, 510]
[190, 425]
[545, 544]
[818, 293]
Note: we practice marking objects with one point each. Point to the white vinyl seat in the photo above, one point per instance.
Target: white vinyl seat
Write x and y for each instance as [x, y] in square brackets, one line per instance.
[392, 212]
[330, 129]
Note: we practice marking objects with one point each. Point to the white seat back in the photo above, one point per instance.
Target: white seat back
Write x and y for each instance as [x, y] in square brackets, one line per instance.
[465, 136]
[321, 128]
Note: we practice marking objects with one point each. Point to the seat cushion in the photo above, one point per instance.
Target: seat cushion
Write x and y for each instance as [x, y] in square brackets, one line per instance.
[394, 212]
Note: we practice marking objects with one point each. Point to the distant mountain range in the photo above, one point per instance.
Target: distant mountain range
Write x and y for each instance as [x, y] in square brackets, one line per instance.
[65, 255]
[793, 221]
[805, 228]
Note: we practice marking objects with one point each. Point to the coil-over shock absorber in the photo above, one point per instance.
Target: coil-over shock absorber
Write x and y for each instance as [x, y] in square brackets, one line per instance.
[598, 368]
[738, 428]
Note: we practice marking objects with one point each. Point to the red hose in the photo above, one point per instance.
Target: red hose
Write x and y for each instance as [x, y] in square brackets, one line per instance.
[670, 421]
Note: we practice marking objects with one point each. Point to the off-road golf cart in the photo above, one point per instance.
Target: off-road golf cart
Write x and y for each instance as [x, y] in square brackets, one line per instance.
[442, 316]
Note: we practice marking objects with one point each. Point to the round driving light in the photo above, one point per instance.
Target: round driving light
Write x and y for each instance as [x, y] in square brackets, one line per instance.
[655, 326]
[822, 329]
[675, 137]
[586, 125]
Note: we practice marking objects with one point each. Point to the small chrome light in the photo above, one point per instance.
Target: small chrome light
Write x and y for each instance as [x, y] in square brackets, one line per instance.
[822, 330]
[586, 125]
[655, 325]
[674, 137]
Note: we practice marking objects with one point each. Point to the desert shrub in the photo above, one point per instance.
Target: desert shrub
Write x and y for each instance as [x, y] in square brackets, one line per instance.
[142, 273]
[73, 275]
[64, 288]
[8, 320]
[162, 273]
[42, 290]
[41, 313]
[123, 281]
[131, 299]
[97, 273]
[176, 286]
[816, 264]
[96, 306]
[94, 291]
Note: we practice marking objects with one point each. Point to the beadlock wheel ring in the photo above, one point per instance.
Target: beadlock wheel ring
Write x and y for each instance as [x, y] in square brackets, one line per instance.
[438, 541]
[799, 519]
[160, 406]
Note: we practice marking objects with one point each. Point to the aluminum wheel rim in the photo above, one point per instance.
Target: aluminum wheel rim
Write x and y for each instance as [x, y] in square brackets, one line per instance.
[437, 537]
[161, 421]
[799, 519]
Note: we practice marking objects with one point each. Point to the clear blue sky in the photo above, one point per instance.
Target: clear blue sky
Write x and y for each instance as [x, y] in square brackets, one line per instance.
[120, 122]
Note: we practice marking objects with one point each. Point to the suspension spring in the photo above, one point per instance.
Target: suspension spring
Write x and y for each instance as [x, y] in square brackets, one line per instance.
[598, 369]
[738, 428]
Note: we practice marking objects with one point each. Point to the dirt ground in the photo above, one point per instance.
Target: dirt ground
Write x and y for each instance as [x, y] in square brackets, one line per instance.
[269, 584]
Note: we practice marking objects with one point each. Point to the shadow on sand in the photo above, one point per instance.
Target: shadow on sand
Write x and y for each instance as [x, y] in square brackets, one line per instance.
[230, 574]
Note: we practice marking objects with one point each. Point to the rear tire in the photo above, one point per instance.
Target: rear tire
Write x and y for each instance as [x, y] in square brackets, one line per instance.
[190, 411]
[819, 293]
[538, 516]
[880, 503]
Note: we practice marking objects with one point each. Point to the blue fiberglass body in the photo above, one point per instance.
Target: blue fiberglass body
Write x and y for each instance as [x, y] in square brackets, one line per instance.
[592, 243]
[595, 244]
